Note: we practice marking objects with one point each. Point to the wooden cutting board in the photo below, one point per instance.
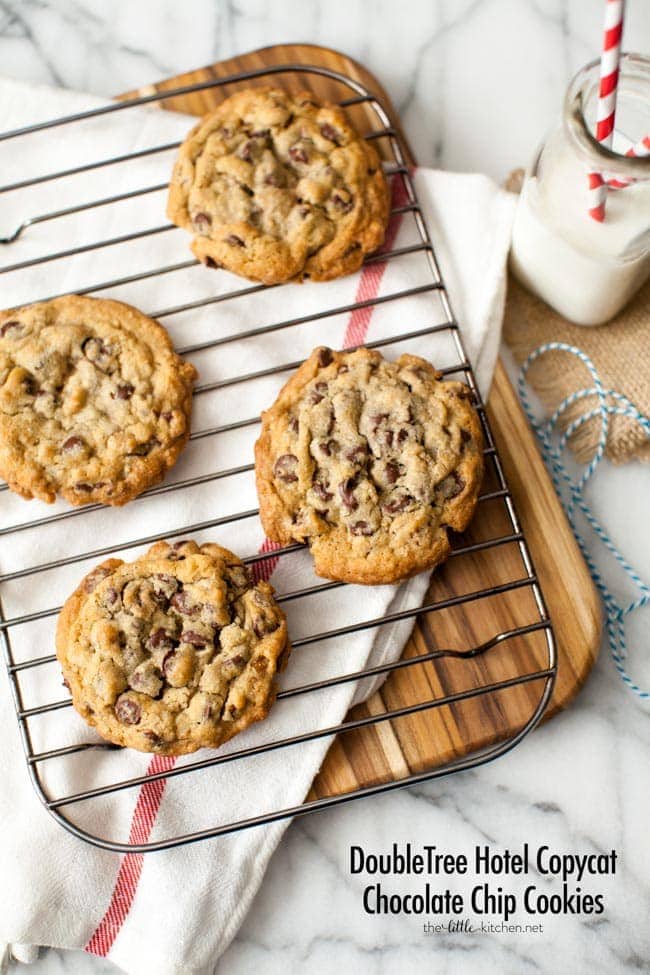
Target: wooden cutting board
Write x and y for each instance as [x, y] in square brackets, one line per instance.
[394, 749]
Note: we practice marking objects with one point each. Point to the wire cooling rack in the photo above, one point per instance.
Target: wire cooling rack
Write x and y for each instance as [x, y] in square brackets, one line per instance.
[527, 617]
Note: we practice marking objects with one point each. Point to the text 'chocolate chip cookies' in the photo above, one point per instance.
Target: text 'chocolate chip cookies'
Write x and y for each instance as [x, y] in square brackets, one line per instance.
[370, 462]
[95, 404]
[277, 187]
[173, 652]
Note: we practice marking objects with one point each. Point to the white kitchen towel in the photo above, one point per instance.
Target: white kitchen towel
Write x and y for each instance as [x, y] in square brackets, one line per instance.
[176, 911]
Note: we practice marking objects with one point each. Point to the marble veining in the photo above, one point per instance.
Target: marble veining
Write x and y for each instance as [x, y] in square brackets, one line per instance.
[476, 83]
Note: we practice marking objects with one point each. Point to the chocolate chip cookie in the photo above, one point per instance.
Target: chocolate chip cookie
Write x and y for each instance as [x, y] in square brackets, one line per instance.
[370, 462]
[276, 187]
[94, 403]
[173, 652]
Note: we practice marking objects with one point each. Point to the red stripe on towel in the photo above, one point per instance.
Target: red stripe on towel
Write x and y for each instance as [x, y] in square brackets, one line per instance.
[128, 875]
[263, 570]
[372, 274]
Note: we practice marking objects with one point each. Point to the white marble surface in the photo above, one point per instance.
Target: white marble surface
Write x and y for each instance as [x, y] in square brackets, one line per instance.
[476, 81]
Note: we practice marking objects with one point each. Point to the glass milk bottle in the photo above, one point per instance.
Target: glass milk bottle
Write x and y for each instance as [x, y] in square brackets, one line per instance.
[584, 269]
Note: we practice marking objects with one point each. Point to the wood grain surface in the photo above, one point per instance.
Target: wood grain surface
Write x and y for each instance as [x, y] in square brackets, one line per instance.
[396, 748]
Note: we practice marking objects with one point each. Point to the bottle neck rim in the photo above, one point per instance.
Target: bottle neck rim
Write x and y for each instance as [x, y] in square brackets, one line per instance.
[634, 76]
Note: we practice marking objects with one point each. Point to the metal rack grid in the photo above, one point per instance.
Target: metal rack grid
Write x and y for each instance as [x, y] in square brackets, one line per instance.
[60, 805]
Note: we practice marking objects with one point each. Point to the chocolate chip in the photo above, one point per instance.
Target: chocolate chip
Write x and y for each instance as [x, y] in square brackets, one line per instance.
[388, 438]
[210, 262]
[465, 435]
[161, 640]
[142, 449]
[396, 504]
[30, 386]
[176, 554]
[163, 579]
[324, 356]
[72, 444]
[402, 436]
[65, 683]
[111, 596]
[235, 241]
[8, 326]
[284, 468]
[238, 660]
[346, 489]
[328, 446]
[321, 492]
[262, 626]
[127, 710]
[194, 639]
[274, 179]
[294, 425]
[361, 528]
[392, 472]
[167, 416]
[358, 455]
[202, 220]
[329, 132]
[84, 487]
[96, 577]
[452, 486]
[168, 661]
[183, 604]
[125, 391]
[298, 154]
[342, 204]
[318, 393]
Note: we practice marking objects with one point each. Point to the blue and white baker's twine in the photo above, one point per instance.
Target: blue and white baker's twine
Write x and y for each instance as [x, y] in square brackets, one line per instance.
[610, 403]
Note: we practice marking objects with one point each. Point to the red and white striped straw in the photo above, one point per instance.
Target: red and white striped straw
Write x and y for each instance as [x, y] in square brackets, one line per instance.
[606, 110]
[642, 148]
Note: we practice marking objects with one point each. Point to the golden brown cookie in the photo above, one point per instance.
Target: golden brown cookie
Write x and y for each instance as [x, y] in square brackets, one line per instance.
[370, 462]
[276, 187]
[95, 404]
[173, 652]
